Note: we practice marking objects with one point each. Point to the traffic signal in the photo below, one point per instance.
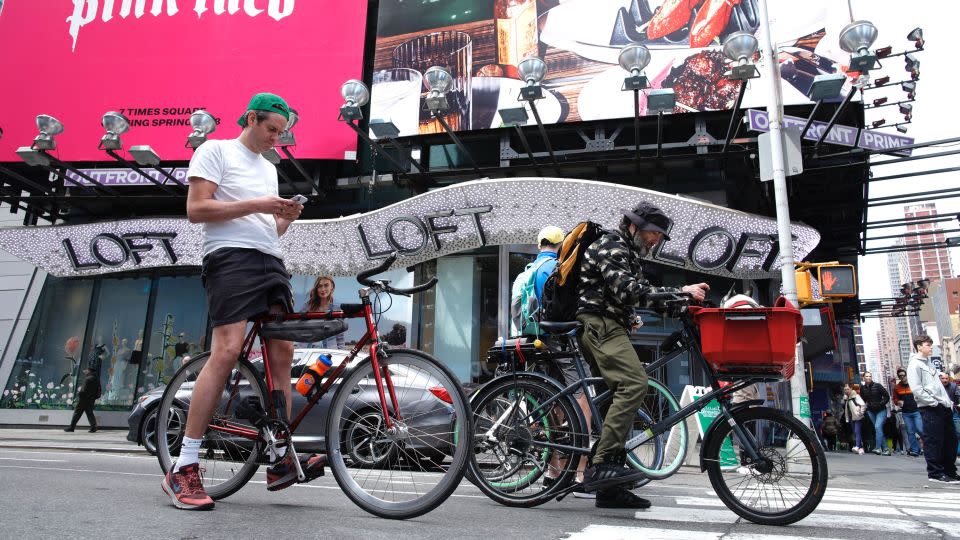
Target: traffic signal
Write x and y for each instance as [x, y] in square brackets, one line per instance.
[837, 281]
[804, 287]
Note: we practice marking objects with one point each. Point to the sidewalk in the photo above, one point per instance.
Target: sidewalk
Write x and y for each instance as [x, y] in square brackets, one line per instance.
[104, 440]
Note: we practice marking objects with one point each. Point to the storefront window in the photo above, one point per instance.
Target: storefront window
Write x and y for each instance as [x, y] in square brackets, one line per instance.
[45, 373]
[179, 327]
[394, 324]
[459, 315]
[118, 324]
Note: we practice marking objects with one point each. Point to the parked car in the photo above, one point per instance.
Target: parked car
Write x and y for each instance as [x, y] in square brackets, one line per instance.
[431, 413]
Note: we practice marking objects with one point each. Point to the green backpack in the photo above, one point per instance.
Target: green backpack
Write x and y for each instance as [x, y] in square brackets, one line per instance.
[524, 305]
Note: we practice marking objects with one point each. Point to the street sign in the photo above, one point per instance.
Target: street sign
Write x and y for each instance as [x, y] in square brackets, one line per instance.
[842, 135]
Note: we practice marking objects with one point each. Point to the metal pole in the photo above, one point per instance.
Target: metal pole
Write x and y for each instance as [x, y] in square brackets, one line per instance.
[526, 147]
[734, 115]
[835, 117]
[798, 383]
[457, 141]
[636, 121]
[139, 171]
[543, 134]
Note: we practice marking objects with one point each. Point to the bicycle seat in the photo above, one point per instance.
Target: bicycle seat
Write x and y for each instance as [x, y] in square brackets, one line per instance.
[555, 327]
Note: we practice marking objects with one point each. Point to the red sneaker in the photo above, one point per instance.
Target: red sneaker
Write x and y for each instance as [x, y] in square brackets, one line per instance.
[284, 473]
[185, 488]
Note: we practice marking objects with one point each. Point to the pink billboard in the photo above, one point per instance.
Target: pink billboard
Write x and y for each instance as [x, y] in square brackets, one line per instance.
[156, 61]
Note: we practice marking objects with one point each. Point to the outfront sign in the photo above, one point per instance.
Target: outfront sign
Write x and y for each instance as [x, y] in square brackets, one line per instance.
[704, 237]
[842, 135]
[157, 61]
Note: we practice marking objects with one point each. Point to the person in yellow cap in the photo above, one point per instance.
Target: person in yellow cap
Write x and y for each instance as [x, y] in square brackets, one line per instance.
[234, 195]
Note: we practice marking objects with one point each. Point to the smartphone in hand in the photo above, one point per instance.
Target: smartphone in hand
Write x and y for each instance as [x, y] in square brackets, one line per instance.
[299, 199]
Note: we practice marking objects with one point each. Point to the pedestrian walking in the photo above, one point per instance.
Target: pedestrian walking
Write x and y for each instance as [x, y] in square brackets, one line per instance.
[876, 398]
[904, 400]
[936, 410]
[87, 396]
[854, 409]
[830, 430]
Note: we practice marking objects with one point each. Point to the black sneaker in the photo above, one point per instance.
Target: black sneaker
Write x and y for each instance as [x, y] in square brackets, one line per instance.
[620, 497]
[604, 475]
[68, 429]
[944, 479]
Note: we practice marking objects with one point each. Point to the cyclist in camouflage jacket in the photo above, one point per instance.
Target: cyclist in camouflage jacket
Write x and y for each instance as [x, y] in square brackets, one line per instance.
[611, 286]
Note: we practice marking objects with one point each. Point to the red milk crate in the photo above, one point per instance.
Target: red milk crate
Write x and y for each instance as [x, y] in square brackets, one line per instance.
[750, 341]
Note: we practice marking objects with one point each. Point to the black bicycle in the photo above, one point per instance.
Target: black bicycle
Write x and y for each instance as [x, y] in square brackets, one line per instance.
[765, 465]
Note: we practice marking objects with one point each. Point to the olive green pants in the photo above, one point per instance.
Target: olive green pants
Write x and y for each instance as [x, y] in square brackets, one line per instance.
[606, 345]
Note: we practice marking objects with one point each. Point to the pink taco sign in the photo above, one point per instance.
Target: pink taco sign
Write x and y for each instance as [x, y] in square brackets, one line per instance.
[157, 61]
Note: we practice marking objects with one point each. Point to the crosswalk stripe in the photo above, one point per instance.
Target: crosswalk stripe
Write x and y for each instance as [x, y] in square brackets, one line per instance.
[612, 532]
[923, 512]
[949, 528]
[885, 525]
[823, 506]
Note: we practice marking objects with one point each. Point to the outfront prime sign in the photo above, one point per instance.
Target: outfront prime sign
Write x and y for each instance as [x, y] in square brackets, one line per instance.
[157, 61]
[704, 237]
[842, 135]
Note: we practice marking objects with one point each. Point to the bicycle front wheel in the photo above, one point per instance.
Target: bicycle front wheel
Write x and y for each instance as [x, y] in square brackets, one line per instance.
[786, 485]
[412, 466]
[228, 461]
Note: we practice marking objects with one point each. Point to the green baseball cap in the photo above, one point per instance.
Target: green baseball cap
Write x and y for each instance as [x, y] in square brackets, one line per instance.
[266, 102]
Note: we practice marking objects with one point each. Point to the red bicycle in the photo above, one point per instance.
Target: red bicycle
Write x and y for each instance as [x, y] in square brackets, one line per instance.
[397, 426]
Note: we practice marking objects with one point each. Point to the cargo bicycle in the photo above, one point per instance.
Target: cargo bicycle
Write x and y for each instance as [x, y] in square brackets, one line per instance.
[388, 410]
[763, 463]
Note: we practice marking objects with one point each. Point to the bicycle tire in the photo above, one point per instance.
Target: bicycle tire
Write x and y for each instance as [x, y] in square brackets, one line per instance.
[668, 449]
[240, 462]
[795, 434]
[510, 483]
[413, 439]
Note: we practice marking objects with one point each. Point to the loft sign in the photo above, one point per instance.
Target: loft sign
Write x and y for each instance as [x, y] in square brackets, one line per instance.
[111, 250]
[427, 230]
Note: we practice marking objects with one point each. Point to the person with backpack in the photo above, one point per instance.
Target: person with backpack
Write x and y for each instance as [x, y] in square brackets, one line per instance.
[528, 286]
[526, 294]
[611, 284]
[88, 394]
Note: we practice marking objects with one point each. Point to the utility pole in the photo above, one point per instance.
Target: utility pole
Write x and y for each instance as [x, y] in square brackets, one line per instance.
[798, 384]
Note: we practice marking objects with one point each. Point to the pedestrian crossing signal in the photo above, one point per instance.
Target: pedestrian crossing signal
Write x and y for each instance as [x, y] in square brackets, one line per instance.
[837, 281]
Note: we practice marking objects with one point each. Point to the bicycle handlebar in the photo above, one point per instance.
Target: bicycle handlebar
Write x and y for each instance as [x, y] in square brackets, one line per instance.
[364, 279]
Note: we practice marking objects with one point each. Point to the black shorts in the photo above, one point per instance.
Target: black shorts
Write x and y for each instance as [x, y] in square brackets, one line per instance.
[243, 283]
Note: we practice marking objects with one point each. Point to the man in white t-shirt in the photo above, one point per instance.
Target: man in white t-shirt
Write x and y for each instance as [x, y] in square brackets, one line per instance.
[233, 193]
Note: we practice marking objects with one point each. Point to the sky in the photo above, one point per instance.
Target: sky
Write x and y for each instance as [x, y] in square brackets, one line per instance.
[934, 117]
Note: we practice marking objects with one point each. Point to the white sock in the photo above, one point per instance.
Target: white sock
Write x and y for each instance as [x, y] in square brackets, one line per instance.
[278, 454]
[189, 452]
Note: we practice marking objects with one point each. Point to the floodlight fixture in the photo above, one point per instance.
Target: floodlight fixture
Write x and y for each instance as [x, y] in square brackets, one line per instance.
[827, 86]
[272, 156]
[438, 81]
[908, 117]
[878, 123]
[856, 39]
[515, 116]
[116, 124]
[880, 81]
[203, 124]
[355, 95]
[909, 86]
[384, 129]
[906, 108]
[902, 129]
[633, 59]
[287, 138]
[49, 128]
[145, 156]
[33, 157]
[532, 71]
[912, 66]
[916, 36]
[879, 101]
[739, 47]
[661, 99]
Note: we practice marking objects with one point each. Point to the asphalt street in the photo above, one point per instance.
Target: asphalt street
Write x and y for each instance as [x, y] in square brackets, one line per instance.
[56, 492]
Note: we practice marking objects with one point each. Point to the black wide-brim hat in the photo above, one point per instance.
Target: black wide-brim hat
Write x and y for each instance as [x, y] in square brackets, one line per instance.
[648, 217]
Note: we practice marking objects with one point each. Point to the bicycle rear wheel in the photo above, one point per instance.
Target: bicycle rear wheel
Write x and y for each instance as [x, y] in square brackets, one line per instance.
[781, 491]
[509, 462]
[412, 467]
[227, 461]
